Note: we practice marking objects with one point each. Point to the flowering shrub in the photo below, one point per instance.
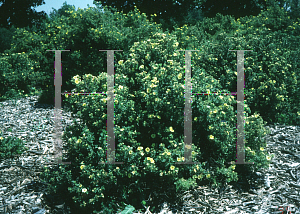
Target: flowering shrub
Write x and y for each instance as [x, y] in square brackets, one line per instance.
[149, 101]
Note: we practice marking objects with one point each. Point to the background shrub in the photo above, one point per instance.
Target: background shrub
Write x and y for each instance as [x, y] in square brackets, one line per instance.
[11, 147]
[271, 72]
[66, 32]
[5, 38]
[16, 75]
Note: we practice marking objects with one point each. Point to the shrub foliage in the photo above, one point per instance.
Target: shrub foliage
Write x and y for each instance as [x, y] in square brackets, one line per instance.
[11, 147]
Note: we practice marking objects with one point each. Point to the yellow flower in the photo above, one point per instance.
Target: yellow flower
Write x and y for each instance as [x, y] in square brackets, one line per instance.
[140, 148]
[208, 176]
[168, 153]
[152, 161]
[171, 129]
[147, 149]
[130, 152]
[142, 67]
[121, 62]
[179, 76]
[152, 85]
[172, 167]
[262, 149]
[1, 138]
[81, 167]
[188, 146]
[84, 104]
[211, 137]
[268, 158]
[148, 90]
[79, 141]
[77, 81]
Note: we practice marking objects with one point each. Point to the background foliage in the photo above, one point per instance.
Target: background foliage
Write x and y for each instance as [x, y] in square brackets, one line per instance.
[20, 13]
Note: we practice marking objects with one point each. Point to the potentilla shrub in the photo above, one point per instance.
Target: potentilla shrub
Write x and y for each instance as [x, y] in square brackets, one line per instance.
[149, 133]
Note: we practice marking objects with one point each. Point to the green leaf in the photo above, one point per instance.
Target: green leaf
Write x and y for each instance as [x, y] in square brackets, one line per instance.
[128, 209]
